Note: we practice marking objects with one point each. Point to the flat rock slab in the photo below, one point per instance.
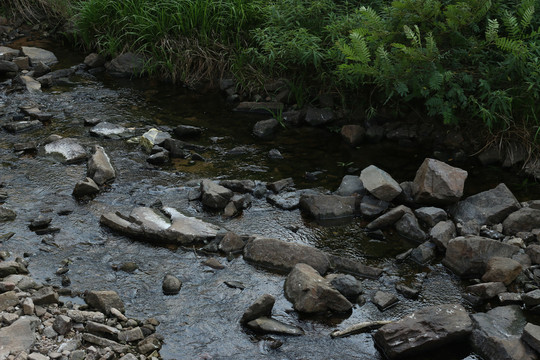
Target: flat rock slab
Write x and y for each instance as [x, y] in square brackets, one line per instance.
[531, 336]
[468, 256]
[19, 336]
[497, 334]
[283, 256]
[261, 307]
[107, 130]
[21, 126]
[328, 207]
[269, 325]
[37, 55]
[69, 149]
[423, 330]
[488, 207]
[437, 183]
[152, 226]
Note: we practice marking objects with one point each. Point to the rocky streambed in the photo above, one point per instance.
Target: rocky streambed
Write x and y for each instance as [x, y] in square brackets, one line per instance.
[218, 244]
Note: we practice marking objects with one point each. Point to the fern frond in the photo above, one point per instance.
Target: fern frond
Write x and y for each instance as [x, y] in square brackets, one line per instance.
[515, 47]
[359, 47]
[511, 24]
[492, 30]
[526, 17]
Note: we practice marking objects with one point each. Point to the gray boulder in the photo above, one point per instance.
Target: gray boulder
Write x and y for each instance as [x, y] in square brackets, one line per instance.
[424, 253]
[100, 168]
[126, 65]
[497, 334]
[409, 228]
[442, 233]
[19, 336]
[468, 256]
[187, 131]
[488, 207]
[85, 187]
[311, 293]
[239, 186]
[21, 126]
[347, 285]
[261, 307]
[37, 55]
[8, 268]
[94, 60]
[384, 300]
[531, 336]
[8, 66]
[501, 269]
[7, 53]
[283, 256]
[379, 183]
[351, 185]
[371, 207]
[525, 219]
[533, 251]
[171, 285]
[265, 128]
[437, 183]
[104, 301]
[424, 330]
[430, 215]
[487, 290]
[214, 195]
[328, 207]
[69, 149]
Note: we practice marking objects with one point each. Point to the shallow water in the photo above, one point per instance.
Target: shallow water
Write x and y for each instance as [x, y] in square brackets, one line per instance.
[201, 322]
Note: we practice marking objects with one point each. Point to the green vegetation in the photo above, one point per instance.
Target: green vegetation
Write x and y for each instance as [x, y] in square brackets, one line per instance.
[474, 62]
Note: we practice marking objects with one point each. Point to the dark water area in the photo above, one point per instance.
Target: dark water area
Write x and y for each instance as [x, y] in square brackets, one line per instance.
[201, 322]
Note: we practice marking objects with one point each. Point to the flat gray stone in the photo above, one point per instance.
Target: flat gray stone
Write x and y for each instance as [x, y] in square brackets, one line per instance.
[269, 325]
[19, 336]
[69, 149]
[379, 183]
[328, 207]
[37, 55]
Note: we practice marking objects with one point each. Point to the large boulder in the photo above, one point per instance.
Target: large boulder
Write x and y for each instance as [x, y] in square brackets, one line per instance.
[126, 65]
[69, 149]
[488, 207]
[37, 55]
[437, 183]
[409, 228]
[311, 293]
[283, 256]
[442, 233]
[379, 183]
[424, 330]
[497, 334]
[525, 219]
[351, 185]
[214, 195]
[265, 128]
[19, 336]
[328, 207]
[502, 269]
[104, 301]
[468, 256]
[100, 168]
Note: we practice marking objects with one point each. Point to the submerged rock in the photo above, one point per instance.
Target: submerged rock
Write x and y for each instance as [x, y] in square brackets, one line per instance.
[423, 330]
[86, 187]
[107, 130]
[437, 183]
[384, 300]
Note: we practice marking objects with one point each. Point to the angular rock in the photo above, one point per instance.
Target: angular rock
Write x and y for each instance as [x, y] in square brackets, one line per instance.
[153, 137]
[423, 330]
[347, 285]
[19, 336]
[45, 295]
[384, 300]
[62, 324]
[502, 269]
[424, 253]
[94, 60]
[389, 218]
[531, 336]
[240, 186]
[532, 298]
[353, 134]
[84, 316]
[261, 307]
[22, 62]
[442, 233]
[408, 227]
[126, 65]
[351, 185]
[468, 256]
[30, 83]
[328, 207]
[187, 131]
[214, 195]
[265, 128]
[100, 168]
[285, 201]
[7, 53]
[379, 183]
[268, 325]
[87, 187]
[353, 267]
[104, 301]
[107, 130]
[7, 214]
[149, 345]
[488, 207]
[37, 55]
[533, 251]
[497, 334]
[20, 126]
[103, 342]
[8, 66]
[231, 243]
[70, 150]
[283, 256]
[525, 219]
[430, 215]
[99, 329]
[487, 290]
[8, 299]
[130, 335]
[311, 293]
[171, 285]
[437, 183]
[278, 186]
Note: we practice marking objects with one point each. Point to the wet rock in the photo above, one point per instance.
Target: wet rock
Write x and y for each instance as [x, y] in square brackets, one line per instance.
[23, 282]
[240, 186]
[351, 185]
[468, 228]
[437, 183]
[311, 293]
[486, 290]
[497, 334]
[347, 285]
[231, 243]
[442, 233]
[129, 266]
[40, 223]
[241, 201]
[353, 267]
[265, 128]
[11, 267]
[268, 325]
[525, 219]
[19, 336]
[328, 207]
[379, 183]
[384, 300]
[107, 130]
[214, 195]
[22, 62]
[214, 263]
[468, 256]
[87, 187]
[423, 330]
[501, 269]
[316, 117]
[371, 207]
[159, 158]
[488, 207]
[153, 137]
[261, 307]
[283, 256]
[408, 227]
[125, 65]
[21, 126]
[388, 219]
[285, 201]
[69, 149]
[424, 253]
[176, 148]
[280, 185]
[104, 301]
[353, 134]
[94, 60]
[8, 299]
[37, 55]
[100, 168]
[186, 131]
[430, 215]
[8, 66]
[407, 292]
[230, 210]
[275, 154]
[40, 69]
[27, 146]
[7, 214]
[45, 295]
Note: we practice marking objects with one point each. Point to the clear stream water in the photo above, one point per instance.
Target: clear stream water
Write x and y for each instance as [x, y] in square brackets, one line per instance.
[201, 322]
